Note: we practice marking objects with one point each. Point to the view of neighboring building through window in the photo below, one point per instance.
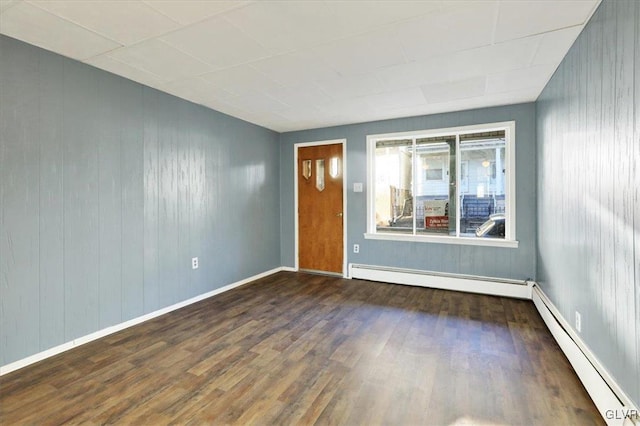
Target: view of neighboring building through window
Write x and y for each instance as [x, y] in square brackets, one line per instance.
[442, 183]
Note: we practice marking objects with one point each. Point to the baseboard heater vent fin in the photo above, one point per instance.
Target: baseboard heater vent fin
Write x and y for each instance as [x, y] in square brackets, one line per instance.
[520, 289]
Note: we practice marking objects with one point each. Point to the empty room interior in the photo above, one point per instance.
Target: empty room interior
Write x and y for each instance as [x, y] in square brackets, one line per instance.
[320, 212]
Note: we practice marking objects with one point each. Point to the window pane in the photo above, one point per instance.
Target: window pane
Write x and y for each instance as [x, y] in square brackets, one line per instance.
[482, 184]
[394, 170]
[435, 159]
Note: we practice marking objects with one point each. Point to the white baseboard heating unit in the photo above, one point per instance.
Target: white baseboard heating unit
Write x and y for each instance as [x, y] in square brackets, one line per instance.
[520, 289]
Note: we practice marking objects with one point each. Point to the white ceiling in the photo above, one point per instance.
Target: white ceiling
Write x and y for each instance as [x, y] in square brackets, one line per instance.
[290, 65]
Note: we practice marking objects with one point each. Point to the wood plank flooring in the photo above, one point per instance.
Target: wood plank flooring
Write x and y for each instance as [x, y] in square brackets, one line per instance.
[295, 348]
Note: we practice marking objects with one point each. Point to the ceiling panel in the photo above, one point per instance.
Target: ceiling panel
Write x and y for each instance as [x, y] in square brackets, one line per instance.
[196, 89]
[128, 23]
[242, 80]
[158, 58]
[363, 53]
[289, 65]
[362, 16]
[216, 42]
[6, 4]
[517, 80]
[449, 30]
[454, 90]
[283, 26]
[300, 95]
[190, 11]
[116, 67]
[524, 18]
[38, 27]
[295, 68]
[554, 45]
[344, 87]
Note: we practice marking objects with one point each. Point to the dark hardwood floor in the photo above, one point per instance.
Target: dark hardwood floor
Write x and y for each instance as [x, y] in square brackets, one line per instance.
[295, 348]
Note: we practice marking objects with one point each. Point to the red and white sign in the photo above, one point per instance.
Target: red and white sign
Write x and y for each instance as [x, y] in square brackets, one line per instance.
[435, 214]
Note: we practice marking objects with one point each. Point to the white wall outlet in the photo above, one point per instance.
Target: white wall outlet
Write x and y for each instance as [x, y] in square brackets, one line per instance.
[357, 187]
[194, 263]
[356, 248]
[578, 322]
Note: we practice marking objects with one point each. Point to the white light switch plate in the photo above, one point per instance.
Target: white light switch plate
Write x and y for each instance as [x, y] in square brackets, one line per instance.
[357, 187]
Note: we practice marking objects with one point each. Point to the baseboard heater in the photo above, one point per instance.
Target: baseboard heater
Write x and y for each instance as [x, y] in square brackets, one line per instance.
[613, 404]
[520, 289]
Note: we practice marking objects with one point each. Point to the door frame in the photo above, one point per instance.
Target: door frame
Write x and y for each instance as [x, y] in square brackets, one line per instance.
[296, 146]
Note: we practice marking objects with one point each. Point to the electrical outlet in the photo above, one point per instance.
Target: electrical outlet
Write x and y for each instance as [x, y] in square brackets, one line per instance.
[194, 263]
[356, 248]
[578, 322]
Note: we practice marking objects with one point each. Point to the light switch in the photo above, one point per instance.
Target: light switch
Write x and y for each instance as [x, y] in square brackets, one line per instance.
[357, 187]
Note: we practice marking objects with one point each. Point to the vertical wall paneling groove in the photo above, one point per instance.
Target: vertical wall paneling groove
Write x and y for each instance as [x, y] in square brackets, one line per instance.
[20, 228]
[636, 185]
[161, 295]
[51, 303]
[151, 201]
[588, 156]
[183, 279]
[623, 188]
[110, 204]
[81, 201]
[132, 151]
[107, 189]
[488, 261]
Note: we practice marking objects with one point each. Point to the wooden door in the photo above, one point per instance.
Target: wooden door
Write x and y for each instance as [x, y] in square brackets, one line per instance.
[320, 208]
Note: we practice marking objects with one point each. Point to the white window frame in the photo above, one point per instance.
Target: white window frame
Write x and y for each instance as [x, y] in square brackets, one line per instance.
[509, 240]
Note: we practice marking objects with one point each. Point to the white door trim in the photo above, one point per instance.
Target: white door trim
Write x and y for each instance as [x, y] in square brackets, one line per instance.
[344, 198]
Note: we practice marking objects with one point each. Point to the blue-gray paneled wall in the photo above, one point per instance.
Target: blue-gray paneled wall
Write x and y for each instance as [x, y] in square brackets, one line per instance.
[488, 261]
[588, 188]
[108, 189]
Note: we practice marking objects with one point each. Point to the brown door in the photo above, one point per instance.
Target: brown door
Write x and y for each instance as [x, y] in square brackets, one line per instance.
[320, 215]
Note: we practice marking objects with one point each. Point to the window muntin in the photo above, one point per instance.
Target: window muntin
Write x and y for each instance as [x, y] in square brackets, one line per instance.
[443, 183]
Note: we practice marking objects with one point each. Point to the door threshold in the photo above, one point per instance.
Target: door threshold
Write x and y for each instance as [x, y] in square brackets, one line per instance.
[316, 272]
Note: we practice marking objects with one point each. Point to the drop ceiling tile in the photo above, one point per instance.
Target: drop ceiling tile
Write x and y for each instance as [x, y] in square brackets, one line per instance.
[340, 87]
[156, 57]
[190, 11]
[526, 78]
[216, 42]
[295, 68]
[462, 89]
[450, 30]
[523, 18]
[404, 98]
[222, 106]
[6, 4]
[554, 45]
[297, 115]
[38, 27]
[241, 81]
[195, 89]
[125, 70]
[362, 16]
[257, 103]
[284, 26]
[417, 73]
[300, 96]
[346, 107]
[364, 53]
[126, 22]
[492, 59]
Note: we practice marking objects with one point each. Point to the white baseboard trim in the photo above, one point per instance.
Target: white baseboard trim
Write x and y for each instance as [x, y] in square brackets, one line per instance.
[443, 281]
[16, 365]
[614, 405]
[288, 269]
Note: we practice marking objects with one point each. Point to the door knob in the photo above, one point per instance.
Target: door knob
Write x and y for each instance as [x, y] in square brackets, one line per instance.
[339, 214]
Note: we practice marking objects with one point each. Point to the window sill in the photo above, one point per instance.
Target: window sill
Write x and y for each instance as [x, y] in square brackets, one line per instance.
[444, 239]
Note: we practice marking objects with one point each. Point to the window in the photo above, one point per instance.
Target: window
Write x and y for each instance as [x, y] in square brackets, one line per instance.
[449, 185]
